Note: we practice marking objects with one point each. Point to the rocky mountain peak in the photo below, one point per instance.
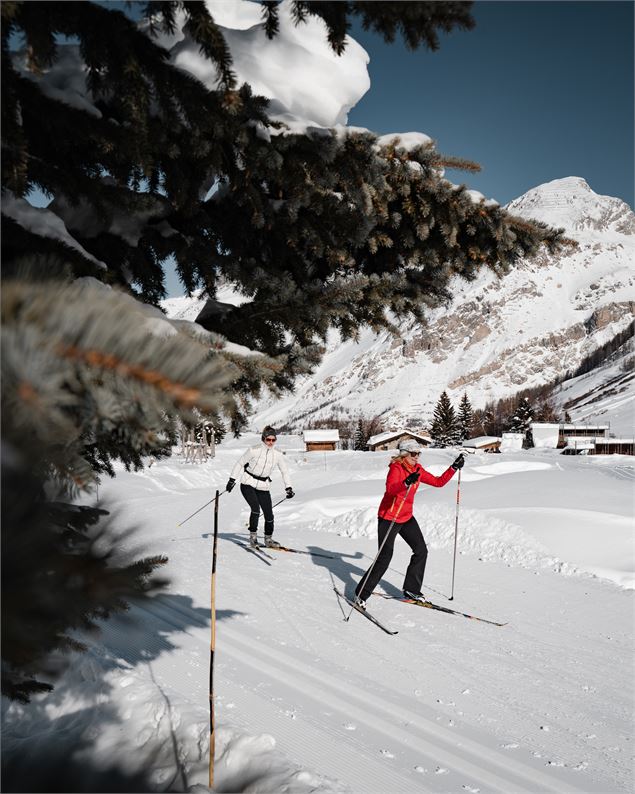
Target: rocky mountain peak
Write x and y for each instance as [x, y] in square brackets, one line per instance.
[570, 203]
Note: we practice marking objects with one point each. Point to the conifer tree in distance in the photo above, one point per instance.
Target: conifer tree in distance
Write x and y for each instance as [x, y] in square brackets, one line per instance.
[445, 427]
[521, 421]
[465, 418]
[359, 440]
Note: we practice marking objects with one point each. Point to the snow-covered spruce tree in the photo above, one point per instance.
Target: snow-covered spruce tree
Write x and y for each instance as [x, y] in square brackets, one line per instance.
[218, 429]
[445, 431]
[465, 418]
[359, 440]
[521, 421]
[317, 230]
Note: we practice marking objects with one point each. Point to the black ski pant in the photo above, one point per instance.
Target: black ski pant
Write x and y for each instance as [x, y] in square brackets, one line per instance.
[258, 499]
[411, 533]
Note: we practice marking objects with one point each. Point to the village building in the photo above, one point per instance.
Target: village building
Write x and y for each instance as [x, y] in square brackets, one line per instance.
[392, 438]
[483, 444]
[584, 445]
[614, 446]
[324, 440]
[553, 435]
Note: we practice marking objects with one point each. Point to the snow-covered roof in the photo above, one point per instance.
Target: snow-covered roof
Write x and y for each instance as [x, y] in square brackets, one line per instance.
[584, 426]
[513, 435]
[615, 440]
[321, 435]
[481, 441]
[570, 426]
[389, 434]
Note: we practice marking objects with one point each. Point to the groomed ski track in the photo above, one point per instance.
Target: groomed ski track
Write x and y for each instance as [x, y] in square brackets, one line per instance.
[287, 665]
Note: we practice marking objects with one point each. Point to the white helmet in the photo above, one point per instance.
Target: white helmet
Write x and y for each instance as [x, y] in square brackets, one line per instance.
[409, 445]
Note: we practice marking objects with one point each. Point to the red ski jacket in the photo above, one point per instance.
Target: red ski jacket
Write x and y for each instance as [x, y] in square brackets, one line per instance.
[395, 506]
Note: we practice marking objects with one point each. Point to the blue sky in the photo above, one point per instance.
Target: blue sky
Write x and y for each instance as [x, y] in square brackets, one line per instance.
[537, 91]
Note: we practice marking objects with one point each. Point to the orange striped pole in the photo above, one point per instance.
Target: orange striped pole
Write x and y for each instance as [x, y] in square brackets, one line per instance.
[456, 530]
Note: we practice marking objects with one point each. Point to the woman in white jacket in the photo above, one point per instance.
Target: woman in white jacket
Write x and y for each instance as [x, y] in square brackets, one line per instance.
[254, 469]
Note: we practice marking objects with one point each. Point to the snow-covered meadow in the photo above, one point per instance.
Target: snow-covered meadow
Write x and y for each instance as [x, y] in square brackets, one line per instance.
[308, 702]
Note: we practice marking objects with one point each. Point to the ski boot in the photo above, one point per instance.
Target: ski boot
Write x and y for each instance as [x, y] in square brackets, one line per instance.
[360, 603]
[253, 540]
[413, 596]
[270, 543]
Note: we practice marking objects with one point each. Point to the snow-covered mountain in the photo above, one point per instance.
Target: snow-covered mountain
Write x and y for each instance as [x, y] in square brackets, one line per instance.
[498, 335]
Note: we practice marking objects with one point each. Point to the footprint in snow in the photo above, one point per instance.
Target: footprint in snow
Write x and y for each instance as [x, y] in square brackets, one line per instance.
[510, 746]
[349, 726]
[421, 769]
[387, 754]
[471, 788]
[441, 770]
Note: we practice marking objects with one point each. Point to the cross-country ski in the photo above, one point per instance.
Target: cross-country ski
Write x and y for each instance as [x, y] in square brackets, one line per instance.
[258, 551]
[364, 612]
[429, 605]
[303, 551]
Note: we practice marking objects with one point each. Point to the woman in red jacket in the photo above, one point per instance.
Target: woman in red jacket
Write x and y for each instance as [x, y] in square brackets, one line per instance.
[405, 474]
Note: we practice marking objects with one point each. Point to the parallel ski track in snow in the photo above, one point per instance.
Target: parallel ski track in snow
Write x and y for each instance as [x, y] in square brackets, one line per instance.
[478, 763]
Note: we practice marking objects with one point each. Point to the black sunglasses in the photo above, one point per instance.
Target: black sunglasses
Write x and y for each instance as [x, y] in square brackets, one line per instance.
[271, 439]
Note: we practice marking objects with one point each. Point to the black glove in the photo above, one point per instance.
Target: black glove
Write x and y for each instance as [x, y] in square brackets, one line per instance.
[459, 463]
[290, 493]
[411, 479]
[230, 484]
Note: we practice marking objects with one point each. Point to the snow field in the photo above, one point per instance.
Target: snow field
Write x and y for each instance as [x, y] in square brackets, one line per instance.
[308, 702]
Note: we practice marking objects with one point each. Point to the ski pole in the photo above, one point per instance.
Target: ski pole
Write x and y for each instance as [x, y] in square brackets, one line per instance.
[201, 508]
[456, 530]
[392, 523]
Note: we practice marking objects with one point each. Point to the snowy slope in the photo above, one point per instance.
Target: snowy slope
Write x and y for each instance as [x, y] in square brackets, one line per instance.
[497, 336]
[307, 702]
[604, 396]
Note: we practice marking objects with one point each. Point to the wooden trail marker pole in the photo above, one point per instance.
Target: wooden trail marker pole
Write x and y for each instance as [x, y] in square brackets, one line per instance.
[212, 737]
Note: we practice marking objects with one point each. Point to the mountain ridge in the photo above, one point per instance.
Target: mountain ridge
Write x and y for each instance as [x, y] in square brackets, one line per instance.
[497, 335]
